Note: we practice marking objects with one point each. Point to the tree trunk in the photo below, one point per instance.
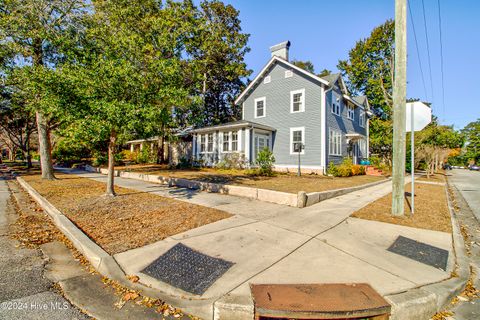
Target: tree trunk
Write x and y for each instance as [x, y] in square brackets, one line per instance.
[44, 147]
[111, 164]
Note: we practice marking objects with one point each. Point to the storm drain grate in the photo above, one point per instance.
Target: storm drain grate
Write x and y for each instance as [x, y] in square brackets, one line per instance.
[421, 252]
[187, 269]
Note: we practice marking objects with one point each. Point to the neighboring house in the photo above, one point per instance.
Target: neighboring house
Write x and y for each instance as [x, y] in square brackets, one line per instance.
[285, 105]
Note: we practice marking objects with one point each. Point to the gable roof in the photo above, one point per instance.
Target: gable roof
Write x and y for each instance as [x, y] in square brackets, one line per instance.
[337, 77]
[270, 63]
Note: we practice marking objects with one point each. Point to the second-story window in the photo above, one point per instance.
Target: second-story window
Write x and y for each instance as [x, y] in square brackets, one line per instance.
[234, 141]
[335, 104]
[361, 119]
[297, 101]
[210, 142]
[260, 108]
[226, 141]
[350, 112]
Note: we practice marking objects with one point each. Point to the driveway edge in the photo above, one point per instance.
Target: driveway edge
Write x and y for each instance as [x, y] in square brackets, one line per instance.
[299, 200]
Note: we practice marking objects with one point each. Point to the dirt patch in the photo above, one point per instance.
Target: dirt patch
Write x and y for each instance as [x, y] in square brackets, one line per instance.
[280, 182]
[130, 220]
[431, 209]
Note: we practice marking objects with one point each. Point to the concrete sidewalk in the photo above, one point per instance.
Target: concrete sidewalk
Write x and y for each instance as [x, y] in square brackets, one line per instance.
[271, 243]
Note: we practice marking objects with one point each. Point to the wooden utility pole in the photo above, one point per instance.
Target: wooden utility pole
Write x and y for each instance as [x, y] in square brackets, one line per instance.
[399, 108]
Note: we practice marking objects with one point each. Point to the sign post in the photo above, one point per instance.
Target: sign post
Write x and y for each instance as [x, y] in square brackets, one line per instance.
[298, 147]
[419, 115]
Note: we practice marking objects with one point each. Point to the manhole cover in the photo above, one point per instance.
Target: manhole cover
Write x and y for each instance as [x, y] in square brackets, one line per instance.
[421, 252]
[187, 269]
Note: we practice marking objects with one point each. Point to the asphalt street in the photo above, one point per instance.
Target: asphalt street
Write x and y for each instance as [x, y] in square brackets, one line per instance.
[25, 293]
[468, 183]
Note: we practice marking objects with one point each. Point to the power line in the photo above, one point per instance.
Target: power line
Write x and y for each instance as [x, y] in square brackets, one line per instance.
[418, 51]
[441, 55]
[428, 50]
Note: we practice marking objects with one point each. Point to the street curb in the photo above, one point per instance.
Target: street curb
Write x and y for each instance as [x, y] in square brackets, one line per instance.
[106, 264]
[415, 304]
[423, 302]
[299, 200]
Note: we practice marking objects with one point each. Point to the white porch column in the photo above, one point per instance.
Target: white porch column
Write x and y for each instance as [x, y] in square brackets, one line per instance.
[247, 145]
[131, 147]
[194, 146]
[240, 147]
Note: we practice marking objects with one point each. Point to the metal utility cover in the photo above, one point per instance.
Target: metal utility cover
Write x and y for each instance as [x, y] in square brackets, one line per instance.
[187, 269]
[421, 252]
[318, 301]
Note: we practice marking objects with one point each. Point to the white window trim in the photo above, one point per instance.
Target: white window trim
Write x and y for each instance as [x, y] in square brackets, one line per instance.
[291, 139]
[267, 79]
[264, 99]
[351, 110]
[231, 141]
[206, 143]
[229, 134]
[361, 119]
[292, 93]
[335, 100]
[330, 131]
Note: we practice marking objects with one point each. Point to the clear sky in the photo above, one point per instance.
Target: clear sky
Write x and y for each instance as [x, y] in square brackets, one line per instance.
[324, 31]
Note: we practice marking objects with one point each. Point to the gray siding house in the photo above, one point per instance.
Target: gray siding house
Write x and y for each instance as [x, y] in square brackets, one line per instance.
[285, 106]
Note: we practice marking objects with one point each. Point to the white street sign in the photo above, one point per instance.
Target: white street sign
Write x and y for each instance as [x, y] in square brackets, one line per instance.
[422, 116]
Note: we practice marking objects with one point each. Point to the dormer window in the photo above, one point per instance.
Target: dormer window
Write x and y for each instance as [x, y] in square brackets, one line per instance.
[297, 101]
[260, 107]
[350, 112]
[335, 104]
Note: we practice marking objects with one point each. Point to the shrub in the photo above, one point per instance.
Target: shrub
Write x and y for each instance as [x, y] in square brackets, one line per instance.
[146, 155]
[184, 163]
[358, 170]
[345, 169]
[128, 155]
[232, 161]
[332, 169]
[99, 159]
[265, 161]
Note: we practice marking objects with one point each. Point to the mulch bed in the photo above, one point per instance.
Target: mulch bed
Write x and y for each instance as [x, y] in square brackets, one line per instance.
[130, 220]
[280, 182]
[431, 209]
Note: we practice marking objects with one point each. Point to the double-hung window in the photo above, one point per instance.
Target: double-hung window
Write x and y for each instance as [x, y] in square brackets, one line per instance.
[297, 101]
[350, 112]
[203, 138]
[335, 142]
[297, 136]
[210, 142]
[234, 140]
[335, 104]
[361, 119]
[226, 141]
[260, 107]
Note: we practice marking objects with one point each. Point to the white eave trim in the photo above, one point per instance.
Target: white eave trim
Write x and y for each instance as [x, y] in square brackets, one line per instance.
[353, 101]
[269, 63]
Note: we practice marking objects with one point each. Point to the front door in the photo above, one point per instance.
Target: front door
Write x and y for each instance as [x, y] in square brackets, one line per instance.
[261, 141]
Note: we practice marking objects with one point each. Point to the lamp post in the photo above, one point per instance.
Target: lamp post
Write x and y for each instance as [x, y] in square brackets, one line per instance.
[298, 147]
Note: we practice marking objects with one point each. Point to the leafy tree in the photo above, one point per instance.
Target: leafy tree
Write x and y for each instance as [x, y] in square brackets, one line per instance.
[369, 71]
[17, 126]
[324, 72]
[33, 35]
[130, 71]
[217, 52]
[472, 137]
[305, 65]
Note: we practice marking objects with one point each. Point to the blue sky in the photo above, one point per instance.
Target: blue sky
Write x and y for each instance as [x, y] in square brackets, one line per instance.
[324, 31]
